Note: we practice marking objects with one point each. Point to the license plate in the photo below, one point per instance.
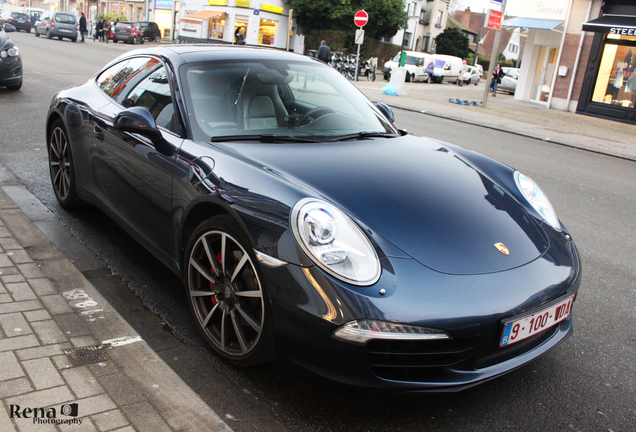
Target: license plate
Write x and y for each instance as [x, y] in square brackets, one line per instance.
[530, 325]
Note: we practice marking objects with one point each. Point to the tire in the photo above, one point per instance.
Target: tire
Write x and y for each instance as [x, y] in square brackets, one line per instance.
[48, 34]
[15, 87]
[409, 77]
[61, 166]
[73, 39]
[157, 38]
[141, 41]
[230, 310]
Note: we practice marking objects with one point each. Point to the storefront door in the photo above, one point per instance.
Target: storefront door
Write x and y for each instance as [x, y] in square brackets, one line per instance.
[544, 74]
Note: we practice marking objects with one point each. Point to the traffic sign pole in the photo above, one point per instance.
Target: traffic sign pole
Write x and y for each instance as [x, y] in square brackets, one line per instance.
[360, 19]
[493, 58]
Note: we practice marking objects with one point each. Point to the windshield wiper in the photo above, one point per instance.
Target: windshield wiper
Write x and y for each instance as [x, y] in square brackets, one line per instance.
[265, 138]
[363, 135]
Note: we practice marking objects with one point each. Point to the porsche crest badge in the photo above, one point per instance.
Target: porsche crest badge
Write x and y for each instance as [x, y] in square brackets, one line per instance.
[502, 248]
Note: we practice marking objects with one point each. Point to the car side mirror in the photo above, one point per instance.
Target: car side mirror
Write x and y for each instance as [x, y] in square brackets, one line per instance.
[140, 121]
[9, 28]
[384, 109]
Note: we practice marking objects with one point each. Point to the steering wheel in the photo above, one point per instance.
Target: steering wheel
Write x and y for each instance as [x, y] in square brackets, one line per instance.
[315, 113]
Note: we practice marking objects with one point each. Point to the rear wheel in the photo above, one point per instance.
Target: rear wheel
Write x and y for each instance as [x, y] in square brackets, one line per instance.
[61, 166]
[225, 292]
[157, 38]
[409, 77]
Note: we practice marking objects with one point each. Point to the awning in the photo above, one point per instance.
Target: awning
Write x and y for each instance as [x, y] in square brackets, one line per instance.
[532, 23]
[201, 15]
[615, 24]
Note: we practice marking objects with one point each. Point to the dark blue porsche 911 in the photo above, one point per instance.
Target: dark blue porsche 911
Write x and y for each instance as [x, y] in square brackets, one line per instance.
[307, 229]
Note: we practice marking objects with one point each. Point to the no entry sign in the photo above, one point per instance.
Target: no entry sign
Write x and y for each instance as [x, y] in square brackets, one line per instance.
[361, 18]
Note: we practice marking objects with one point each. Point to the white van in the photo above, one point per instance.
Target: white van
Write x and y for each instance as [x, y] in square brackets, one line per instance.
[415, 66]
[446, 68]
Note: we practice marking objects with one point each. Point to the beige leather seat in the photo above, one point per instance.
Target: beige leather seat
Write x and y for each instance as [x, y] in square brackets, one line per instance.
[261, 106]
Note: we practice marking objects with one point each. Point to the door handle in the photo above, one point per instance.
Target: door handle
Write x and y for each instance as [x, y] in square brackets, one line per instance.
[99, 133]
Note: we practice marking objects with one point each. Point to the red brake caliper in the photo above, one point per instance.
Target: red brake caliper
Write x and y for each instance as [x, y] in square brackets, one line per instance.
[218, 257]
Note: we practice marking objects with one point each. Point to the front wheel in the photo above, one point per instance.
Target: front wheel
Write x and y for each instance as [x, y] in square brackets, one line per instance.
[61, 166]
[225, 292]
[157, 38]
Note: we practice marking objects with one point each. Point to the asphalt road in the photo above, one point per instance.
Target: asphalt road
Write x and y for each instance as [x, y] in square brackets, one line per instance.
[587, 384]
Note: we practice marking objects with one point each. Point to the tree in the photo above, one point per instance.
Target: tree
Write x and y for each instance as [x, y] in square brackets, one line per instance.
[456, 5]
[386, 17]
[452, 42]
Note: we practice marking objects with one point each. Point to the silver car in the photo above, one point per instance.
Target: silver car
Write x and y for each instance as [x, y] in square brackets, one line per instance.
[57, 24]
[509, 80]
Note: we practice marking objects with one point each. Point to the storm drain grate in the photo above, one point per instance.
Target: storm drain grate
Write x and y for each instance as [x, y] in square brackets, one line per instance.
[86, 355]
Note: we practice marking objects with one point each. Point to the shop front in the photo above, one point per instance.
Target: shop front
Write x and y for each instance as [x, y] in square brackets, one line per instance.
[244, 20]
[609, 86]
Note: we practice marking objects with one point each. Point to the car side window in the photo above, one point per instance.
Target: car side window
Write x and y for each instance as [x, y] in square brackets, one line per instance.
[153, 93]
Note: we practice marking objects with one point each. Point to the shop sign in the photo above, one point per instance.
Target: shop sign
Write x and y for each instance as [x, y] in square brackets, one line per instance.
[270, 8]
[217, 2]
[163, 4]
[494, 19]
[545, 9]
[243, 3]
[623, 31]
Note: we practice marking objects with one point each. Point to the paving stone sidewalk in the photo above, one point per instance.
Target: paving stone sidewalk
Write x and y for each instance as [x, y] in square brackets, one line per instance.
[46, 308]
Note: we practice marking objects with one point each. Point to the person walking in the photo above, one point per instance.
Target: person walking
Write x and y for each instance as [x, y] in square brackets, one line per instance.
[324, 52]
[496, 79]
[106, 30]
[82, 25]
[239, 39]
[462, 73]
[98, 30]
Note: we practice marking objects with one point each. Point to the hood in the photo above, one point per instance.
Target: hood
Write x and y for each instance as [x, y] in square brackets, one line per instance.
[426, 199]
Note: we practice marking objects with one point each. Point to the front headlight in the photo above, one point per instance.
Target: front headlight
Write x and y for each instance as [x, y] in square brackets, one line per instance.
[537, 199]
[334, 242]
[11, 52]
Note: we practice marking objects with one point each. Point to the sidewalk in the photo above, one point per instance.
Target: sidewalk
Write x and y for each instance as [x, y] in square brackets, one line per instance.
[506, 114]
[66, 356]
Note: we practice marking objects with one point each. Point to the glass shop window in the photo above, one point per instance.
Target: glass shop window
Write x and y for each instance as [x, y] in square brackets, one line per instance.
[217, 24]
[266, 32]
[616, 78]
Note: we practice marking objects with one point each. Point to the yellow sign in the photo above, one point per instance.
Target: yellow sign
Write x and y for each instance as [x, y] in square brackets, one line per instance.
[217, 2]
[270, 8]
[243, 3]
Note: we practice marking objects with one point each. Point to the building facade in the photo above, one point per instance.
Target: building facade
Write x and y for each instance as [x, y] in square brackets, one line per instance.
[220, 21]
[427, 19]
[580, 56]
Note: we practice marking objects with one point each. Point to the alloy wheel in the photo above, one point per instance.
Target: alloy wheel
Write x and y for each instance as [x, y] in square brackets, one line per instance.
[226, 294]
[60, 163]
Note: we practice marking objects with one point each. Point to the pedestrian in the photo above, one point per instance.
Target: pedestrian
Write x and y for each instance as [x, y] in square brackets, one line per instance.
[324, 52]
[239, 39]
[106, 30]
[496, 79]
[82, 25]
[462, 73]
[98, 30]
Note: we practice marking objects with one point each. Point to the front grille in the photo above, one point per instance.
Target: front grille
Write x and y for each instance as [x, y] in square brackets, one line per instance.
[414, 360]
[403, 360]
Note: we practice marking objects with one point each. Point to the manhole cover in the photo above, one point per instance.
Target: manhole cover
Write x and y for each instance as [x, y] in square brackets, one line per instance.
[87, 355]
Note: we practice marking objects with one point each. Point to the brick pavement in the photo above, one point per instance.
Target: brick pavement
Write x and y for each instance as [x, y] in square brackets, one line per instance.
[47, 307]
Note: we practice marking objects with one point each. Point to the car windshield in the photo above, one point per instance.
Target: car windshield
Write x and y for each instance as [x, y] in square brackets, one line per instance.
[277, 99]
[65, 18]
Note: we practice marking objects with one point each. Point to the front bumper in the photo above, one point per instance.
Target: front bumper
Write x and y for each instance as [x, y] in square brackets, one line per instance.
[308, 306]
[10, 71]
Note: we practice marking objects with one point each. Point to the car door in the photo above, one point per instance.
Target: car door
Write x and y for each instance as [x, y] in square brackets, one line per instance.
[135, 173]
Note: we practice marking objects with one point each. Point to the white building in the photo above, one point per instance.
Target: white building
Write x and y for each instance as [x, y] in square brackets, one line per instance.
[265, 24]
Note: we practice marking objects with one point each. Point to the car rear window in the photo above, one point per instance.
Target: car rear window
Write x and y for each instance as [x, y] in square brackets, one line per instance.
[65, 18]
[19, 15]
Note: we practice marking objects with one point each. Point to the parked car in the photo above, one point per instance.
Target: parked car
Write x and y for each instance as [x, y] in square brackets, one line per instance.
[151, 30]
[10, 61]
[472, 76]
[509, 80]
[19, 20]
[128, 32]
[415, 65]
[307, 229]
[57, 24]
[447, 68]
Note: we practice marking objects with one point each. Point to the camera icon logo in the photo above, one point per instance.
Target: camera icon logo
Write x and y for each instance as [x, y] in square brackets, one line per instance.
[69, 410]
